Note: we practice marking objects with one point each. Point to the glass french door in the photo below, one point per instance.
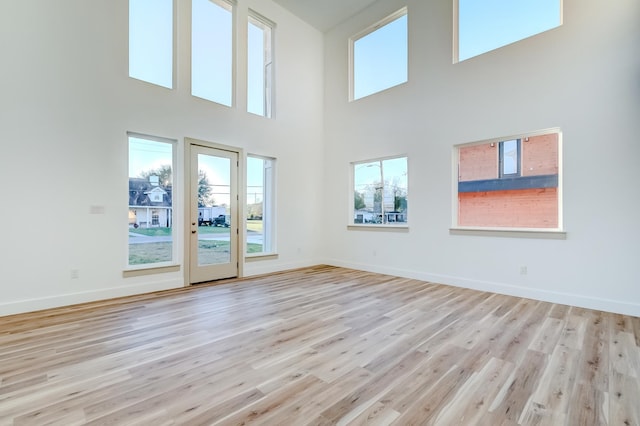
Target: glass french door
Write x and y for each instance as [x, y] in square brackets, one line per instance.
[213, 248]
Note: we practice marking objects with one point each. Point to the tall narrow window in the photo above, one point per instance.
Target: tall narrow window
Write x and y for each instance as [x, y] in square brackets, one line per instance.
[380, 190]
[379, 56]
[260, 205]
[212, 51]
[509, 152]
[151, 41]
[151, 197]
[260, 65]
[487, 25]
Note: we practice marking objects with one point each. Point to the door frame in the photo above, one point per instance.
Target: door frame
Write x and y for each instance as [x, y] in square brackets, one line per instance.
[241, 210]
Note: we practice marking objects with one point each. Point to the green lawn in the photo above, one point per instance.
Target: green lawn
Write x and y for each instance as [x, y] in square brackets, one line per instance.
[140, 254]
[151, 232]
[254, 225]
[164, 232]
[210, 251]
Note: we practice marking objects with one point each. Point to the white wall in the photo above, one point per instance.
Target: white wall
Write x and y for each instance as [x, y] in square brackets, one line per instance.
[583, 77]
[66, 105]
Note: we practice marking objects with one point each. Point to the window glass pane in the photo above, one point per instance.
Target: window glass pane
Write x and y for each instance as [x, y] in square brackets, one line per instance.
[260, 221]
[380, 191]
[212, 51]
[510, 157]
[490, 24]
[259, 76]
[214, 204]
[151, 41]
[150, 201]
[523, 192]
[380, 58]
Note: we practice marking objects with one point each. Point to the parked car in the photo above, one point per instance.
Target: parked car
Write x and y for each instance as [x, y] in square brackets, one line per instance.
[221, 220]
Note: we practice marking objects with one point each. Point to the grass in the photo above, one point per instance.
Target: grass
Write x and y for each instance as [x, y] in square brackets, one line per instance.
[140, 254]
[254, 225]
[254, 248]
[212, 230]
[210, 251]
[151, 232]
[166, 232]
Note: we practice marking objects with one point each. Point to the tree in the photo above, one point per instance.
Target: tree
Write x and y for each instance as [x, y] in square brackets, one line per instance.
[254, 210]
[165, 179]
[204, 190]
[358, 202]
[400, 203]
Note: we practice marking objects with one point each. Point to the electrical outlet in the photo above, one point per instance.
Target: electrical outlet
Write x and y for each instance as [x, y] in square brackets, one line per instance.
[523, 270]
[75, 274]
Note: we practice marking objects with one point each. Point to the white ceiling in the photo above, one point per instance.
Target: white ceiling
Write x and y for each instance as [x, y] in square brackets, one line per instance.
[324, 14]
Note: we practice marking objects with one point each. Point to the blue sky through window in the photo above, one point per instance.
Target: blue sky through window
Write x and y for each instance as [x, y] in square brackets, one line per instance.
[212, 52]
[489, 24]
[151, 41]
[380, 59]
[255, 71]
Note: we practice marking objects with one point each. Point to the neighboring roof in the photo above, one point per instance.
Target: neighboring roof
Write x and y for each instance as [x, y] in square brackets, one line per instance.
[139, 188]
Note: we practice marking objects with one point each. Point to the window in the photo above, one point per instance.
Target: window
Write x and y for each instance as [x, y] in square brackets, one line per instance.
[487, 25]
[151, 197]
[509, 158]
[151, 41]
[510, 183]
[260, 205]
[380, 191]
[379, 56]
[260, 65]
[212, 51]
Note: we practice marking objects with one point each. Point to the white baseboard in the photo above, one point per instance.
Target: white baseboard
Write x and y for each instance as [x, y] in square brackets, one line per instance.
[268, 267]
[581, 301]
[31, 305]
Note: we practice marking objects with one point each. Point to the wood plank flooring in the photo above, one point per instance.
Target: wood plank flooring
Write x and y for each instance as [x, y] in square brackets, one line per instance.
[320, 346]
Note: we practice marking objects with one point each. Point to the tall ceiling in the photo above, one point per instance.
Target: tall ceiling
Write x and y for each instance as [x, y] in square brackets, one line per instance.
[324, 14]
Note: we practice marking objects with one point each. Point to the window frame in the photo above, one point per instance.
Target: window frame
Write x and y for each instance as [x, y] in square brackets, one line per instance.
[517, 232]
[268, 65]
[132, 270]
[268, 208]
[369, 30]
[385, 225]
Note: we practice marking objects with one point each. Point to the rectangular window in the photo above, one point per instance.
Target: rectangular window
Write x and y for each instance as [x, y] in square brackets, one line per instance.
[380, 190]
[509, 158]
[212, 51]
[510, 183]
[151, 197]
[259, 65]
[379, 56]
[151, 41]
[260, 205]
[483, 26]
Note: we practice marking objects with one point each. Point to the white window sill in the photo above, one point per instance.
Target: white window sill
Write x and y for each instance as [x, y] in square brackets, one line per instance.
[550, 234]
[149, 270]
[260, 256]
[386, 227]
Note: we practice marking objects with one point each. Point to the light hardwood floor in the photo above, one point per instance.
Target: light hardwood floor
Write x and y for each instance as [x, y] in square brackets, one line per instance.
[320, 346]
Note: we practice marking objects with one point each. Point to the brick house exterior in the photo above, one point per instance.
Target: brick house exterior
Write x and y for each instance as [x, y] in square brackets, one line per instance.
[526, 200]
